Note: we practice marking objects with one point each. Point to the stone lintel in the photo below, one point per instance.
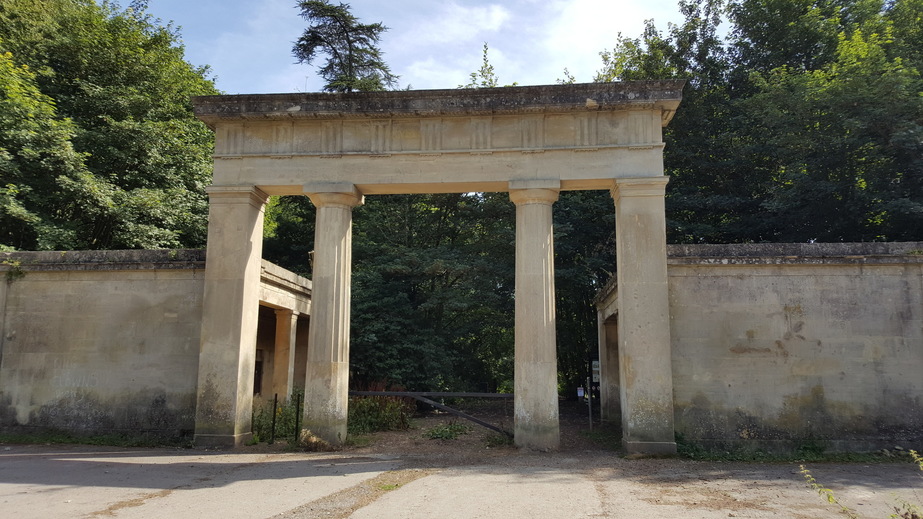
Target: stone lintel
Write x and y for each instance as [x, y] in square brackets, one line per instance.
[333, 193]
[554, 184]
[216, 193]
[648, 186]
[664, 95]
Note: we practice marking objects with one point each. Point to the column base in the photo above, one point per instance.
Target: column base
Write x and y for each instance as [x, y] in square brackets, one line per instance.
[538, 438]
[332, 434]
[653, 448]
[222, 441]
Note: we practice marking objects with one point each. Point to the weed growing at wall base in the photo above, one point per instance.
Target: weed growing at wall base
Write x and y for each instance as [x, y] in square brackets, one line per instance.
[447, 431]
[904, 509]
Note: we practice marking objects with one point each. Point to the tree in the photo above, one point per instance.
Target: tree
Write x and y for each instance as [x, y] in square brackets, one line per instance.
[803, 124]
[120, 80]
[36, 156]
[354, 62]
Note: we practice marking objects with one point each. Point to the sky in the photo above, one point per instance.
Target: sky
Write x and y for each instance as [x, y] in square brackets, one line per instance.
[430, 44]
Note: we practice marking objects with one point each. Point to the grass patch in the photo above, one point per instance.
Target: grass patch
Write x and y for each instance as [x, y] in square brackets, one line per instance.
[446, 431]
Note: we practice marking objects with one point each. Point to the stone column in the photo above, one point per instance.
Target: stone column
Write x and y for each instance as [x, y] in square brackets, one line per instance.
[230, 311]
[609, 406]
[283, 359]
[535, 412]
[646, 375]
[326, 392]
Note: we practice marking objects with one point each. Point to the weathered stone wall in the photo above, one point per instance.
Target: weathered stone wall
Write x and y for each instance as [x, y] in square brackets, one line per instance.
[100, 341]
[788, 345]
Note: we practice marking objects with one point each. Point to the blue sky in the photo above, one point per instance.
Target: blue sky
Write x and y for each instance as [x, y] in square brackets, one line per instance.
[430, 44]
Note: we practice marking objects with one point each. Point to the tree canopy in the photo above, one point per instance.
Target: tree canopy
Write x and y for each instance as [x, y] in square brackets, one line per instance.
[100, 147]
[354, 61]
[804, 124]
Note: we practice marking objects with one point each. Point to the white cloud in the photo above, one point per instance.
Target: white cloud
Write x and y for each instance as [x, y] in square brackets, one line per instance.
[580, 29]
[430, 44]
[454, 23]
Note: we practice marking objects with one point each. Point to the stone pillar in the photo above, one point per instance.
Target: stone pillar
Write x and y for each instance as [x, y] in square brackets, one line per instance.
[283, 361]
[230, 311]
[609, 405]
[326, 392]
[646, 375]
[535, 412]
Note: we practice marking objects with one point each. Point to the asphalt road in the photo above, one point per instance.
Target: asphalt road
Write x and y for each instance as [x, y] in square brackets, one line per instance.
[91, 482]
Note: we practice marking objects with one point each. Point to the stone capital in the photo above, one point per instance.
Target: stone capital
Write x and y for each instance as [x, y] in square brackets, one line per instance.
[346, 200]
[633, 187]
[231, 194]
[534, 196]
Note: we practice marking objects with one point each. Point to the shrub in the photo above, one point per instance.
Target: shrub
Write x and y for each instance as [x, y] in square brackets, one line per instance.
[288, 415]
[377, 413]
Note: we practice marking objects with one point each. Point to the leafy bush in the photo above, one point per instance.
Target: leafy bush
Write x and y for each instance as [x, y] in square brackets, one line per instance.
[377, 413]
[288, 414]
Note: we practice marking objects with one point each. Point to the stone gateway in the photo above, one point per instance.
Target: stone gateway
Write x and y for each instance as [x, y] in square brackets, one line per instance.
[532, 142]
[769, 346]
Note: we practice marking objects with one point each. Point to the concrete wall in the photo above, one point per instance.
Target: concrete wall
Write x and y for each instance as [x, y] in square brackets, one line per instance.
[787, 345]
[101, 342]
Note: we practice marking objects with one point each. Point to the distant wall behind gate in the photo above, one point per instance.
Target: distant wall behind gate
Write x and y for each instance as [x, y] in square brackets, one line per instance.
[798, 343]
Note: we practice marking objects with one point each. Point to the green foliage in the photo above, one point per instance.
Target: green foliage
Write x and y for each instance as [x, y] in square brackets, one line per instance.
[584, 245]
[826, 493]
[354, 62]
[36, 157]
[485, 77]
[446, 431]
[13, 269]
[287, 413]
[378, 413]
[100, 148]
[432, 296]
[905, 509]
[804, 124]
